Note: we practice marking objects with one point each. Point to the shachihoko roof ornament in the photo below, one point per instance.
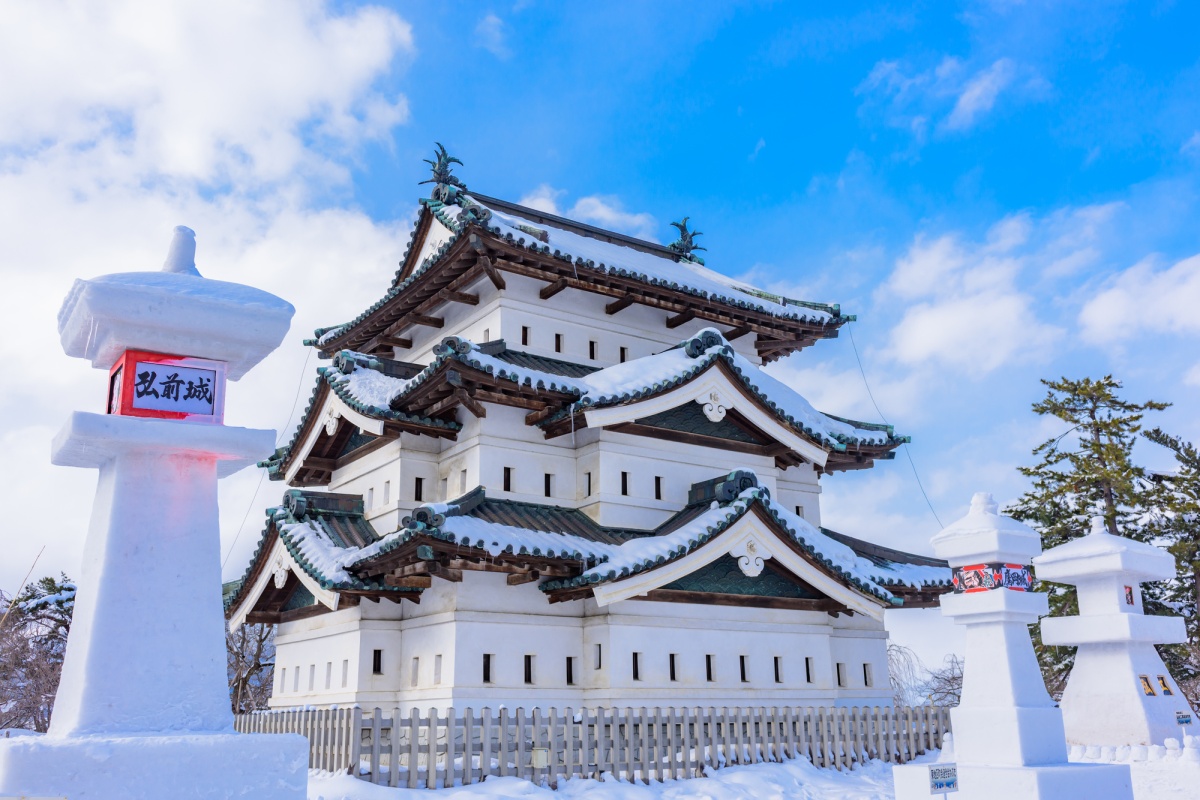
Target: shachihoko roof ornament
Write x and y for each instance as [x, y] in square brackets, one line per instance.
[446, 185]
[686, 244]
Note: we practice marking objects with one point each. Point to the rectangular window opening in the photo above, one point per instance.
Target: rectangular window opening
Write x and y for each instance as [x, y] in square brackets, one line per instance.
[867, 679]
[799, 511]
[570, 671]
[525, 334]
[508, 479]
[598, 659]
[370, 498]
[808, 670]
[377, 662]
[283, 680]
[637, 666]
[841, 674]
[416, 670]
[328, 675]
[779, 669]
[487, 334]
[418, 489]
[528, 669]
[625, 483]
[445, 488]
[587, 484]
[708, 668]
[437, 670]
[671, 665]
[387, 492]
[487, 667]
[296, 679]
[592, 350]
[549, 485]
[658, 487]
[558, 341]
[345, 672]
[742, 667]
[462, 482]
[624, 354]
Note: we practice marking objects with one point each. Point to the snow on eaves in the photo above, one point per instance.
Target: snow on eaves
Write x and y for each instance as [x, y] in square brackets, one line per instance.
[621, 383]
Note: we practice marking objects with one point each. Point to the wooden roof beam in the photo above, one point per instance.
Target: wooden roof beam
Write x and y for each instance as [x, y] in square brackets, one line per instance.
[458, 297]
[551, 289]
[681, 318]
[737, 333]
[485, 263]
[619, 305]
[421, 319]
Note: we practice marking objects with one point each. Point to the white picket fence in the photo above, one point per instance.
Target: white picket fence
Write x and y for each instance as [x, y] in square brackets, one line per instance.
[444, 749]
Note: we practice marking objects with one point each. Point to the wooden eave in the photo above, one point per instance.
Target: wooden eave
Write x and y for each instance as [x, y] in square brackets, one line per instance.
[855, 457]
[478, 253]
[399, 566]
[457, 384]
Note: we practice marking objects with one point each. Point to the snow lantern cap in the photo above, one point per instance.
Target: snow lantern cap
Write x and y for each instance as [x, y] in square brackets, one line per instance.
[176, 311]
[181, 257]
[984, 536]
[1099, 554]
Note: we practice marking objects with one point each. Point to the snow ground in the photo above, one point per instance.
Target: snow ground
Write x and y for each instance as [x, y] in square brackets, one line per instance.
[790, 780]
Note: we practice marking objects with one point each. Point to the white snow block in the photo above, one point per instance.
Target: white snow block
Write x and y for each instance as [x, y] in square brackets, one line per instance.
[174, 313]
[193, 767]
[1047, 782]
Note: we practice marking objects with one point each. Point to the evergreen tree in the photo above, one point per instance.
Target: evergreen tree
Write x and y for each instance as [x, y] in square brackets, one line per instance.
[1085, 471]
[1177, 524]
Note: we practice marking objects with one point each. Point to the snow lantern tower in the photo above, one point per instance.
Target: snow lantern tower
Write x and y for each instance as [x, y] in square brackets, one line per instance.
[143, 707]
[1119, 691]
[1008, 732]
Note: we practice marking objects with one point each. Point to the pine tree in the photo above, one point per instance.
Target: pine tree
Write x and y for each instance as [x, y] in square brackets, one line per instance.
[1177, 524]
[1085, 471]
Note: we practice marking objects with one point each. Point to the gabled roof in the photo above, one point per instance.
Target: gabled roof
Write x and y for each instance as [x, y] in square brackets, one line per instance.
[323, 535]
[564, 396]
[461, 236]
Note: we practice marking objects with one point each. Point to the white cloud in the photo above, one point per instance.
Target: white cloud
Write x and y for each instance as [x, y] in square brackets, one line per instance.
[1192, 146]
[979, 94]
[492, 35]
[605, 211]
[131, 118]
[1147, 299]
[950, 96]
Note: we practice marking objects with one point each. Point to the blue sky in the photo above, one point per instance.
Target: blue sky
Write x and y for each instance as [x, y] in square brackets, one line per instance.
[1000, 191]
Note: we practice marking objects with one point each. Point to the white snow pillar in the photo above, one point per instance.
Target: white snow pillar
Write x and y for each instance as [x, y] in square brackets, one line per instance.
[1008, 732]
[143, 708]
[1116, 667]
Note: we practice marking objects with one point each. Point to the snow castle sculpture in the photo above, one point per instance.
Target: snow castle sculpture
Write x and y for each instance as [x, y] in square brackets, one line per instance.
[143, 708]
[1008, 732]
[1119, 692]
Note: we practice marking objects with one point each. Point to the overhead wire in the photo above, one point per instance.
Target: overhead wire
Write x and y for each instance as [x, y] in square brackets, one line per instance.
[263, 473]
[907, 449]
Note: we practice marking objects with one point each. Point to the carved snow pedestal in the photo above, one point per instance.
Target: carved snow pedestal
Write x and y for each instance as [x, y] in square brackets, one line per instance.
[143, 708]
[1008, 733]
[1119, 692]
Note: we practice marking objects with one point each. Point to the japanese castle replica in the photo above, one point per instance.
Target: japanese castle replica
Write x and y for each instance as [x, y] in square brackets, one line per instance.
[548, 469]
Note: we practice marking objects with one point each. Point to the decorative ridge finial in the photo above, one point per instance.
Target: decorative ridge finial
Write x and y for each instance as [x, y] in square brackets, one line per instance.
[686, 244]
[181, 257]
[447, 186]
[984, 503]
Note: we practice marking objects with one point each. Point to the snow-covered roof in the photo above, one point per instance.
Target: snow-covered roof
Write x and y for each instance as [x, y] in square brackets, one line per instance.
[627, 382]
[1100, 554]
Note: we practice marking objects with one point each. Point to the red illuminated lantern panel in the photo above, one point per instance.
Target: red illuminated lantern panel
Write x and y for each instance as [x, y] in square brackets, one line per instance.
[143, 384]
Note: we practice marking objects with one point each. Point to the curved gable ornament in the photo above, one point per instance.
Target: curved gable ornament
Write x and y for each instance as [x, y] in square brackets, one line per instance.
[280, 572]
[331, 420]
[751, 556]
[715, 405]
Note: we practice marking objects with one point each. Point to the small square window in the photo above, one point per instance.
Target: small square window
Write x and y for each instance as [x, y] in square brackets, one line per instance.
[598, 661]
[779, 669]
[549, 485]
[570, 671]
[808, 670]
[799, 511]
[868, 678]
[742, 668]
[709, 674]
[377, 662]
[637, 666]
[587, 484]
[841, 674]
[624, 354]
[658, 487]
[671, 665]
